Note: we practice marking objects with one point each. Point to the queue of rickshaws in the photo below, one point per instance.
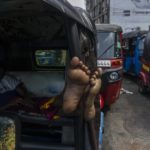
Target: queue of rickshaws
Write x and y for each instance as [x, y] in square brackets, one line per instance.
[133, 45]
[49, 89]
[109, 58]
[144, 75]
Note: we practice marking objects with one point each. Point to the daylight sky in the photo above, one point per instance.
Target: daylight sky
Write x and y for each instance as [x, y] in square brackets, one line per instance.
[79, 3]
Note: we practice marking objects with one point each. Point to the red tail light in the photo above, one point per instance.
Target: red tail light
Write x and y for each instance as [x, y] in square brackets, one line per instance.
[101, 102]
[116, 63]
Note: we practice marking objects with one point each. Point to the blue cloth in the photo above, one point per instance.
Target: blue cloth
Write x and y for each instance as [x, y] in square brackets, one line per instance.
[8, 83]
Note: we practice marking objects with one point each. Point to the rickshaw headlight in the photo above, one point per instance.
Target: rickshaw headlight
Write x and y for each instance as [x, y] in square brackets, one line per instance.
[114, 76]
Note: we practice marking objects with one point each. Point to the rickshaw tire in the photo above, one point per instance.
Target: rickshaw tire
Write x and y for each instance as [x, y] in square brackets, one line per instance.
[141, 87]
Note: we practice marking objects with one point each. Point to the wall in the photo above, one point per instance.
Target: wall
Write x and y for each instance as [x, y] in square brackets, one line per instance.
[99, 10]
[130, 14]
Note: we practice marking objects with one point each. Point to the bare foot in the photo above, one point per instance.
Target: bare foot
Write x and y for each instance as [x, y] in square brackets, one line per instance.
[78, 79]
[93, 91]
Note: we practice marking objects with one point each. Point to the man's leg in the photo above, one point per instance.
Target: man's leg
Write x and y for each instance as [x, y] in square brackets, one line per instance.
[77, 80]
[92, 91]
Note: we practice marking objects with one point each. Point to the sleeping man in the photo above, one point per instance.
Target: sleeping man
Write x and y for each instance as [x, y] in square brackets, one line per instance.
[81, 85]
[13, 93]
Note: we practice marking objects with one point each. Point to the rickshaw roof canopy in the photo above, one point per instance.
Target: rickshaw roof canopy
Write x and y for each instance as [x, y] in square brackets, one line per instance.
[108, 27]
[30, 25]
[134, 34]
[31, 7]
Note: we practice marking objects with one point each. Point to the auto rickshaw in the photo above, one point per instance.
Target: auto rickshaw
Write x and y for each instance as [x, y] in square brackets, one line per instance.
[144, 76]
[109, 58]
[37, 40]
[133, 45]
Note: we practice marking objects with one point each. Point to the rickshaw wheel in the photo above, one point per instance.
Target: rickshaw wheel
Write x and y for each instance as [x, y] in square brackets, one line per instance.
[141, 87]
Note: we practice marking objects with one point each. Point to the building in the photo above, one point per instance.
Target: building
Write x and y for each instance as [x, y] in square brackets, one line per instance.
[99, 10]
[130, 14]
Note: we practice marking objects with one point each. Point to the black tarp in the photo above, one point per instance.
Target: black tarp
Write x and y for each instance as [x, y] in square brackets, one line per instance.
[32, 24]
[146, 52]
[32, 7]
[108, 27]
[134, 34]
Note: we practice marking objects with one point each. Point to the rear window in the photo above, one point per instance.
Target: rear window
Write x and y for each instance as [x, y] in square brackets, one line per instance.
[51, 58]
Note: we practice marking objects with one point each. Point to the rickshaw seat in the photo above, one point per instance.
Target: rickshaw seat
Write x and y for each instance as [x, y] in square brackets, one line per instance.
[38, 146]
[42, 83]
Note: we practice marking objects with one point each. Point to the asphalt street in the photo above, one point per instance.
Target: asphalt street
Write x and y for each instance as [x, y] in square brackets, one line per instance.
[127, 123]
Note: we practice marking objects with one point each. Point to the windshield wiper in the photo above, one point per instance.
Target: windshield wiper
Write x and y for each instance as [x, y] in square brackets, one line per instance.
[105, 51]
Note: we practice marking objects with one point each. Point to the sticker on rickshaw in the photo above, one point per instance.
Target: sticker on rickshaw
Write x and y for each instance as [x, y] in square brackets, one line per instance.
[146, 68]
[7, 134]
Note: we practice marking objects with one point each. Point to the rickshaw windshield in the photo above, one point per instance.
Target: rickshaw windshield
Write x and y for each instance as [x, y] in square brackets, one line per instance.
[106, 45]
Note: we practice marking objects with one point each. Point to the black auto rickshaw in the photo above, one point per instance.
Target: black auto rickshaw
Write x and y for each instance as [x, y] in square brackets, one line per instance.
[35, 36]
[144, 75]
[109, 58]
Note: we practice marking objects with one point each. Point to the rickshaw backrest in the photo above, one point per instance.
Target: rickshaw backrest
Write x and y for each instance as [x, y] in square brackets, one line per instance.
[19, 57]
[43, 83]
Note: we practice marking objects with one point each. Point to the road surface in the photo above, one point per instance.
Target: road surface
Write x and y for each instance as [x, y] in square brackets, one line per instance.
[127, 123]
